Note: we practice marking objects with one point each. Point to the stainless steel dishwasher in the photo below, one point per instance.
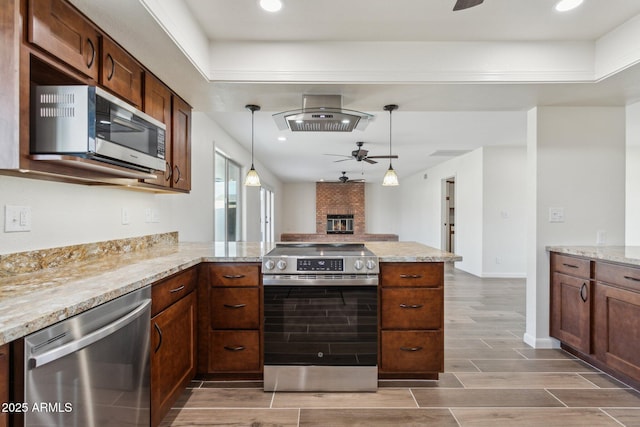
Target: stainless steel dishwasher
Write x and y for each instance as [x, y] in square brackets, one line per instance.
[92, 369]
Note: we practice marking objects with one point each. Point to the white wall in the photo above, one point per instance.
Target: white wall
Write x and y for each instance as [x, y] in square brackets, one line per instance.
[299, 208]
[632, 214]
[382, 208]
[504, 212]
[66, 214]
[576, 161]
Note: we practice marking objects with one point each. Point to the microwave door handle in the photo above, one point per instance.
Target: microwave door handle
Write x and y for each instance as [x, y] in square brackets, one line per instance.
[66, 349]
[132, 126]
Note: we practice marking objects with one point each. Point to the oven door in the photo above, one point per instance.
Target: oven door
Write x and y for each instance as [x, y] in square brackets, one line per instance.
[320, 338]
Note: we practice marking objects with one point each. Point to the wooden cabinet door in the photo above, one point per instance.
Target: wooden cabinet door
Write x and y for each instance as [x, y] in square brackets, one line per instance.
[4, 383]
[617, 328]
[181, 145]
[570, 311]
[57, 27]
[173, 354]
[157, 104]
[121, 73]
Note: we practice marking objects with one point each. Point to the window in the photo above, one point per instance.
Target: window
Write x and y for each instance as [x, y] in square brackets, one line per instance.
[227, 209]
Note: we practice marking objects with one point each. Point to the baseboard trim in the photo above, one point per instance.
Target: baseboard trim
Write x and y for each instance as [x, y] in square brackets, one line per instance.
[540, 342]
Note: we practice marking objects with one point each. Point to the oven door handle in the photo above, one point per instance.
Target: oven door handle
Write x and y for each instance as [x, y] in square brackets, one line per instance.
[76, 345]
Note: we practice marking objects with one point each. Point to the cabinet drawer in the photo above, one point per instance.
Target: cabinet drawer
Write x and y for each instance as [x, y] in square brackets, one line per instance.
[234, 351]
[170, 290]
[235, 275]
[571, 265]
[412, 308]
[407, 274]
[235, 308]
[412, 351]
[621, 275]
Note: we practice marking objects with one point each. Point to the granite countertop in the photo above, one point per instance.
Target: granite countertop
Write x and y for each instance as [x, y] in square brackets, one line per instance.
[35, 300]
[620, 254]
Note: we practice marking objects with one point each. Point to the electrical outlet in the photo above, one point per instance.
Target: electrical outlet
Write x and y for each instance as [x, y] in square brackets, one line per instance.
[17, 218]
[498, 260]
[155, 215]
[556, 214]
[601, 237]
[148, 215]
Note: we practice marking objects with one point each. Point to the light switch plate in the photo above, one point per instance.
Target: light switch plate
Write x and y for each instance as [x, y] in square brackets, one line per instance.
[17, 218]
[556, 214]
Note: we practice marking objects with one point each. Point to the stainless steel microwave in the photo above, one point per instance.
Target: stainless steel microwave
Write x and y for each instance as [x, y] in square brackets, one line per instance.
[89, 122]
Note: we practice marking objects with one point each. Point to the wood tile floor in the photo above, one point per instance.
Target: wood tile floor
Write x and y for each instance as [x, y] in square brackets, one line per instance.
[492, 379]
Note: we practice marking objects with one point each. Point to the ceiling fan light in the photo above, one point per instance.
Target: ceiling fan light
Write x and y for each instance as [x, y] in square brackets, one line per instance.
[567, 5]
[252, 179]
[390, 178]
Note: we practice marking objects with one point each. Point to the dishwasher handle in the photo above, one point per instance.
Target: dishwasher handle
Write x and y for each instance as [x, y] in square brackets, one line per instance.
[97, 335]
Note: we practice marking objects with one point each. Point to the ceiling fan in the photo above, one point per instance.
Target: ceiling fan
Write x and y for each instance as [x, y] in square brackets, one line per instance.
[361, 155]
[344, 179]
[466, 4]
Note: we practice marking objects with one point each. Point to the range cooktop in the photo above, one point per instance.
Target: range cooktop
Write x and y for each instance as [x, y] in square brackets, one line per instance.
[297, 258]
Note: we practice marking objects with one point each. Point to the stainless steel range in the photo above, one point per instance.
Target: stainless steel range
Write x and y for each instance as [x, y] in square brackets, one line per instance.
[320, 317]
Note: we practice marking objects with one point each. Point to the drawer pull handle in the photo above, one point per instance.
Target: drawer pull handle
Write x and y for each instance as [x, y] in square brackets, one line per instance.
[410, 348]
[411, 306]
[236, 348]
[235, 305]
[570, 265]
[411, 276]
[635, 279]
[173, 291]
[583, 292]
[233, 276]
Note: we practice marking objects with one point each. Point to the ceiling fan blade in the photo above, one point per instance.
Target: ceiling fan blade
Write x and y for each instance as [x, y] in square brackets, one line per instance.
[466, 4]
[343, 160]
[368, 160]
[337, 155]
[395, 156]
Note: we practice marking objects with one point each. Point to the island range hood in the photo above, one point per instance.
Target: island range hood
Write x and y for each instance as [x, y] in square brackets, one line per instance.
[322, 113]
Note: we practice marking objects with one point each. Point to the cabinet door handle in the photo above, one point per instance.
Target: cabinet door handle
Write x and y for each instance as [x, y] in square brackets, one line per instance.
[570, 265]
[235, 305]
[170, 171]
[635, 279]
[583, 292]
[236, 348]
[93, 53]
[173, 291]
[157, 328]
[179, 174]
[411, 276]
[233, 276]
[411, 306]
[113, 67]
[410, 348]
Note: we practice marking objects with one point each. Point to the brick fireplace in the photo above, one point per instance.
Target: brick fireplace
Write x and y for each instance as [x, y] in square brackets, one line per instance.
[340, 199]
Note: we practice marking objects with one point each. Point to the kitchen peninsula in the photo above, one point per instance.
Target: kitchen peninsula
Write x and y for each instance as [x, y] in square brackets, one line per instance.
[207, 304]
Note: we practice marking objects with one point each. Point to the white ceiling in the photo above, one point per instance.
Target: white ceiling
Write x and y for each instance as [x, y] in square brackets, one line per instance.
[432, 116]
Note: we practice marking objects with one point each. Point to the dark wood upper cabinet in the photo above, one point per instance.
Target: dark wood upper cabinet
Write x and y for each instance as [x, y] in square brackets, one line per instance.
[121, 73]
[181, 145]
[61, 30]
[157, 104]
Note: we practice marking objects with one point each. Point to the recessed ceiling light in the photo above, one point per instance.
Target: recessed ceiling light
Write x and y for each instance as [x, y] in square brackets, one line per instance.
[282, 138]
[566, 5]
[271, 5]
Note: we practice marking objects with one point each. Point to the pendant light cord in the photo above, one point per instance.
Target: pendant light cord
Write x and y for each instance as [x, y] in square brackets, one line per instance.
[252, 130]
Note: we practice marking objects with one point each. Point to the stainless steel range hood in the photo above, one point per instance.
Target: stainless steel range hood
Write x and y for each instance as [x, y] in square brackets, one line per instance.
[322, 113]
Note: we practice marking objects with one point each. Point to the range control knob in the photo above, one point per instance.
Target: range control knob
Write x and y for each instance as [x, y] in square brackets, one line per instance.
[282, 264]
[358, 264]
[269, 264]
[371, 264]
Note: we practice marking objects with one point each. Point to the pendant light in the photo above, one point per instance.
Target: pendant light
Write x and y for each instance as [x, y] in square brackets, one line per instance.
[391, 177]
[252, 179]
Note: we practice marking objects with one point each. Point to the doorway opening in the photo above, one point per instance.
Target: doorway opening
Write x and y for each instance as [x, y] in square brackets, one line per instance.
[448, 213]
[266, 215]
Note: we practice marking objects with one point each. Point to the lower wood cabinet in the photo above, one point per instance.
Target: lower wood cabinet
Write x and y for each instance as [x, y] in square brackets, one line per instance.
[411, 320]
[173, 341]
[597, 316]
[4, 383]
[230, 324]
